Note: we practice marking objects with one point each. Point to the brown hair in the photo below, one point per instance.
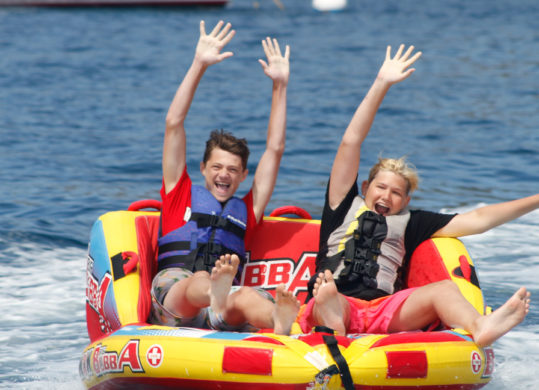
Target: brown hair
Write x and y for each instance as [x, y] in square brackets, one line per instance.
[227, 142]
[399, 166]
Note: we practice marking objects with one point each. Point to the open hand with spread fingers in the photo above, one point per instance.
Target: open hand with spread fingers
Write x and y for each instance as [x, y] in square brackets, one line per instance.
[396, 69]
[277, 68]
[209, 46]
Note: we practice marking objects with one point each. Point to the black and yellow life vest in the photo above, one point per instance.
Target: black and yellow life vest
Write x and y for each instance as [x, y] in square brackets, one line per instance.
[366, 252]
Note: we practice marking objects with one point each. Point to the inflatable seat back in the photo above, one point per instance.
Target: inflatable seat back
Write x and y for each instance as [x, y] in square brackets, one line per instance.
[282, 250]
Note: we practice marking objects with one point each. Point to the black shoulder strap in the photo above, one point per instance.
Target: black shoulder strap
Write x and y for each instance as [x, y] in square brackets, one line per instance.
[330, 263]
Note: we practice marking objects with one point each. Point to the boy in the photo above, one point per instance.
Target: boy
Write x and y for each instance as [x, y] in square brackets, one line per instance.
[204, 229]
[365, 242]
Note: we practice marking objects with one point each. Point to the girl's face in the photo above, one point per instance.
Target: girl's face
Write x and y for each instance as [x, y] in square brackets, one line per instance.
[386, 194]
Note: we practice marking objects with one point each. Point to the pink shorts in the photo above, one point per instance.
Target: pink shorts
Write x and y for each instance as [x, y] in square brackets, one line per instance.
[365, 316]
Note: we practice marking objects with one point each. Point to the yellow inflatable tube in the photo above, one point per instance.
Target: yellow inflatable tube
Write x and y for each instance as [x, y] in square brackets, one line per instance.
[127, 352]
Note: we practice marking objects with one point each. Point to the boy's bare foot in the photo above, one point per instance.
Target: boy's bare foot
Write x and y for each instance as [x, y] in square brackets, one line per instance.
[328, 306]
[493, 326]
[286, 310]
[222, 276]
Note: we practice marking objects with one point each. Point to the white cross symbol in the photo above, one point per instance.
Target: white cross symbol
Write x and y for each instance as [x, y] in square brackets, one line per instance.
[476, 362]
[154, 355]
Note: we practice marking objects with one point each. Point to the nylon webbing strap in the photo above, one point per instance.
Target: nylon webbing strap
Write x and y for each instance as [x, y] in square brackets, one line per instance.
[175, 246]
[205, 220]
[333, 347]
[203, 257]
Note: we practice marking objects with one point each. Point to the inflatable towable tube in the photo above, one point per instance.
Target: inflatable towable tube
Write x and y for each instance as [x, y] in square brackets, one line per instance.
[127, 352]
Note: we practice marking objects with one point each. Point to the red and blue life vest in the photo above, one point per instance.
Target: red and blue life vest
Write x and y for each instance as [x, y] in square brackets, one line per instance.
[211, 230]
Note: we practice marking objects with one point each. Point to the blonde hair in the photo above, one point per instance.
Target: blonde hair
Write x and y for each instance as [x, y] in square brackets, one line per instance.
[399, 166]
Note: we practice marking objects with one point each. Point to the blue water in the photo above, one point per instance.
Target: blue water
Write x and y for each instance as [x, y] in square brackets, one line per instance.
[84, 93]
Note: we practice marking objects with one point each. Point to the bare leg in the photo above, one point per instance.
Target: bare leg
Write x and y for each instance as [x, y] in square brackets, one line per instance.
[331, 309]
[285, 311]
[222, 276]
[247, 305]
[430, 303]
[186, 297]
[493, 326]
[443, 300]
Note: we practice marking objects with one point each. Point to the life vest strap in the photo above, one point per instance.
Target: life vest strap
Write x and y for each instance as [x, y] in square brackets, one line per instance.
[216, 221]
[202, 257]
[174, 246]
[174, 261]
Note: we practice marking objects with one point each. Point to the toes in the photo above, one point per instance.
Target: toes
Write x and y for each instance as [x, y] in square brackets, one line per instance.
[234, 259]
[328, 275]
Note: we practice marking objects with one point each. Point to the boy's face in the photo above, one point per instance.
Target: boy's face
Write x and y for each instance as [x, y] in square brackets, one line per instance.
[223, 173]
[386, 194]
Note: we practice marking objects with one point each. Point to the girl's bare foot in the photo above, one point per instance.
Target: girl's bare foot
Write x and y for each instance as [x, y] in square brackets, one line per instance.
[222, 276]
[286, 310]
[493, 326]
[328, 306]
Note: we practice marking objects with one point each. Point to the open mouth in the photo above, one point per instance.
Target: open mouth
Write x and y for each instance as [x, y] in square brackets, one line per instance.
[222, 186]
[382, 210]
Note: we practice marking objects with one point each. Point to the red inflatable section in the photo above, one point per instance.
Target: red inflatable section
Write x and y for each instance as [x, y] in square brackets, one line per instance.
[147, 231]
[426, 266]
[282, 251]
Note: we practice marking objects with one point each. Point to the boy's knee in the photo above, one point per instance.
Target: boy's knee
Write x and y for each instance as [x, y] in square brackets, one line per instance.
[245, 292]
[246, 297]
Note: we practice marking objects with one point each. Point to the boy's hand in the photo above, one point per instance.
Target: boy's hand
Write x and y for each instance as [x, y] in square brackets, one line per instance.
[277, 68]
[208, 50]
[394, 69]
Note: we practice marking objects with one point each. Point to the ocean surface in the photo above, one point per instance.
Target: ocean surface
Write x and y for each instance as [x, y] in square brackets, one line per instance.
[83, 97]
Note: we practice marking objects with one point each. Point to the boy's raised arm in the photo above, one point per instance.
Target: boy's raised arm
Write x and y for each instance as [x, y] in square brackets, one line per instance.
[208, 52]
[346, 163]
[277, 68]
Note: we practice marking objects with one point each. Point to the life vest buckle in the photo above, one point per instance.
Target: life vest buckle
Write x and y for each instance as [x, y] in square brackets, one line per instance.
[216, 221]
[357, 267]
[370, 268]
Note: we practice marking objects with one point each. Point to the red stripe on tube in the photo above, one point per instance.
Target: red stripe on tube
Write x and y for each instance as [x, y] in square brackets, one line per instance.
[239, 360]
[406, 364]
